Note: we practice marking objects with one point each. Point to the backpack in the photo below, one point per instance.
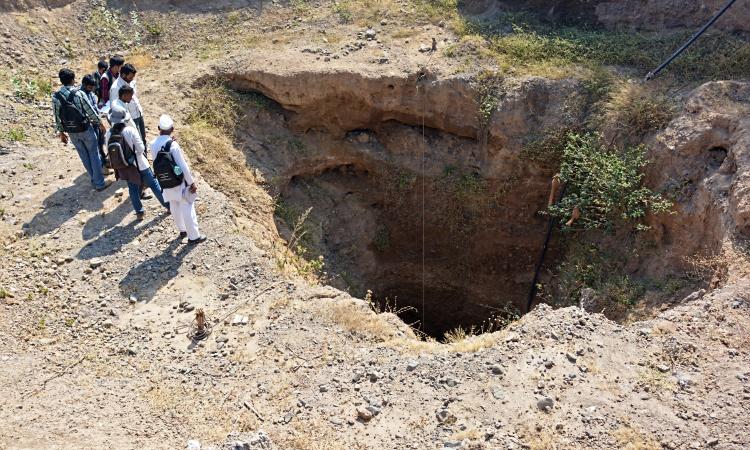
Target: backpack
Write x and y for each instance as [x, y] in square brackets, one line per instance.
[120, 155]
[167, 172]
[98, 78]
[73, 120]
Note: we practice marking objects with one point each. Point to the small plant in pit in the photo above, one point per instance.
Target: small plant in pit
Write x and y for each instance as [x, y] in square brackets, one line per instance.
[547, 149]
[587, 266]
[4, 293]
[382, 239]
[385, 305]
[296, 145]
[487, 89]
[605, 185]
[499, 319]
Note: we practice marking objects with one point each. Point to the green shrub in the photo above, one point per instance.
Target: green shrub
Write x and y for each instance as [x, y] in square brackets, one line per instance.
[547, 149]
[31, 89]
[587, 266]
[382, 239]
[344, 11]
[16, 135]
[605, 184]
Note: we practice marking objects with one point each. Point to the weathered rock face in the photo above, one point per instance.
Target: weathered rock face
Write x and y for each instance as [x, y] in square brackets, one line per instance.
[369, 172]
[655, 15]
[702, 159]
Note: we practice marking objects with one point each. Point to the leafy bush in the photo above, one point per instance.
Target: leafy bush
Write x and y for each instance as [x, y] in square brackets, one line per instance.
[31, 89]
[605, 184]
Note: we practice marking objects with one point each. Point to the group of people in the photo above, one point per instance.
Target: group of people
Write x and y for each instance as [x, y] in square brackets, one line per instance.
[109, 94]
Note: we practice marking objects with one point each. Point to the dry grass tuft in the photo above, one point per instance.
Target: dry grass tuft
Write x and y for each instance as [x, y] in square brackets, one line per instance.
[633, 110]
[630, 439]
[357, 319]
[140, 59]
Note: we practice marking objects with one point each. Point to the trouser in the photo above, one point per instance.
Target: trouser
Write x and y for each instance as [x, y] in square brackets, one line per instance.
[185, 218]
[100, 142]
[141, 125]
[87, 145]
[147, 179]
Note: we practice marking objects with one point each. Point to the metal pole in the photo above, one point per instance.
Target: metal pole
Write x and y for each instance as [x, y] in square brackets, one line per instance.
[690, 41]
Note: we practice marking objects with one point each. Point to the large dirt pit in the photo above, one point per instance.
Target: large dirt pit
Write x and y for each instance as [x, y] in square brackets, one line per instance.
[432, 212]
[415, 196]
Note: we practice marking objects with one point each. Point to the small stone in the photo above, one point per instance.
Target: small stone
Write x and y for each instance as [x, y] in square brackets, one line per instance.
[663, 368]
[545, 404]
[444, 416]
[193, 445]
[120, 192]
[108, 323]
[364, 414]
[96, 262]
[133, 299]
[497, 369]
[424, 48]
[713, 442]
[239, 319]
[497, 393]
[412, 366]
[571, 357]
[370, 34]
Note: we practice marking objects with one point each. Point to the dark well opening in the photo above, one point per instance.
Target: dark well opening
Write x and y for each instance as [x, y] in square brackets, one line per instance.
[482, 236]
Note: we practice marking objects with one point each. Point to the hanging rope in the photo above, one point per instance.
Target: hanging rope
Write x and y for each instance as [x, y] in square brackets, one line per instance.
[690, 41]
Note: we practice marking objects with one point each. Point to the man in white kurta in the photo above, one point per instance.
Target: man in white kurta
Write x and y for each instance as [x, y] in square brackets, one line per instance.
[181, 198]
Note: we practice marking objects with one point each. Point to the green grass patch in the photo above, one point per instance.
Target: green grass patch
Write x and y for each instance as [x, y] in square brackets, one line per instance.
[16, 134]
[31, 88]
[543, 49]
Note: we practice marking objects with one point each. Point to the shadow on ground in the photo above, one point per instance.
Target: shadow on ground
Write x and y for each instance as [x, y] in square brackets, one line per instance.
[145, 279]
[63, 204]
[113, 235]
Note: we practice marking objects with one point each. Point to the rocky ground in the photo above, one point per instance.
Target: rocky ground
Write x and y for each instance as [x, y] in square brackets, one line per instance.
[96, 310]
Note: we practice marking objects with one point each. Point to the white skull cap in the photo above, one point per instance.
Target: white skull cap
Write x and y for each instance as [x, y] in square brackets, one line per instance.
[165, 122]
